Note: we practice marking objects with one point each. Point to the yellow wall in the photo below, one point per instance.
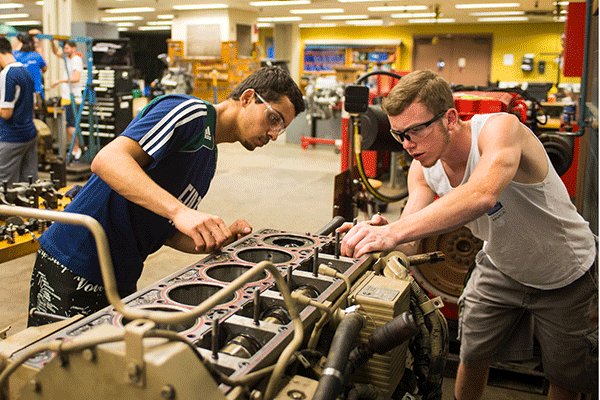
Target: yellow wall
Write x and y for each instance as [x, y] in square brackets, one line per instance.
[516, 39]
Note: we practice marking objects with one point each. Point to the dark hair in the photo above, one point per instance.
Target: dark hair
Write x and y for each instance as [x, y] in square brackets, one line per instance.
[5, 47]
[71, 43]
[28, 42]
[271, 83]
[425, 87]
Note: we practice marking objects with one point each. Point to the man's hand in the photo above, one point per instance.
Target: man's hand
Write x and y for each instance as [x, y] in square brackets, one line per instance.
[239, 229]
[54, 83]
[366, 237]
[208, 232]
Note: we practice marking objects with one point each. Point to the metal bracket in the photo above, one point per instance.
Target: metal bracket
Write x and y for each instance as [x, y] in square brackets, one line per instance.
[135, 368]
[4, 331]
[431, 305]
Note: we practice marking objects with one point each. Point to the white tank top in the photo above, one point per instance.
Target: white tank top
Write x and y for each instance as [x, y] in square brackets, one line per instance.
[534, 233]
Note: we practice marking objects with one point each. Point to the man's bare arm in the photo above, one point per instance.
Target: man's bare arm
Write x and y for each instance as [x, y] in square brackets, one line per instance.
[500, 146]
[6, 113]
[120, 164]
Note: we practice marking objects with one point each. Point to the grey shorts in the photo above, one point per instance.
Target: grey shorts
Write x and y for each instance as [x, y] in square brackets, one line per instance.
[499, 317]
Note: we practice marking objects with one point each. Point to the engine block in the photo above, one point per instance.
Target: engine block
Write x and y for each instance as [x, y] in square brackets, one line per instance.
[248, 330]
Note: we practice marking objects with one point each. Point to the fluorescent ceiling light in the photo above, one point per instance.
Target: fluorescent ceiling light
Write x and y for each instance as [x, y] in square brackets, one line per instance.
[279, 3]
[6, 16]
[279, 19]
[318, 11]
[318, 25]
[129, 10]
[123, 18]
[11, 5]
[502, 19]
[431, 20]
[366, 22]
[413, 15]
[154, 28]
[216, 6]
[397, 8]
[355, 1]
[560, 3]
[344, 17]
[488, 5]
[122, 29]
[264, 25]
[122, 24]
[165, 16]
[22, 23]
[39, 3]
[159, 23]
[496, 13]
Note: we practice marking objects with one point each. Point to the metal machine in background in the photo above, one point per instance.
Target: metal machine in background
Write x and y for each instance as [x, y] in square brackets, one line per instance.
[18, 236]
[275, 315]
[323, 96]
[175, 80]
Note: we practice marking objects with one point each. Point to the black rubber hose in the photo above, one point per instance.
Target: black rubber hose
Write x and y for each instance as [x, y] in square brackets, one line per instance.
[331, 226]
[382, 340]
[331, 381]
[357, 150]
[363, 77]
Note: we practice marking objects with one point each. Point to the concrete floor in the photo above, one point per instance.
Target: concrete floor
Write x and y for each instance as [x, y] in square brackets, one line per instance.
[280, 186]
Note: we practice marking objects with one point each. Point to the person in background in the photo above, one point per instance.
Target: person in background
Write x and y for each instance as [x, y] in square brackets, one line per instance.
[536, 274]
[18, 135]
[32, 60]
[146, 189]
[36, 42]
[71, 83]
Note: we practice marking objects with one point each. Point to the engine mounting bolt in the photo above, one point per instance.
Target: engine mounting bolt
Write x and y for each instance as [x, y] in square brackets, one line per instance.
[167, 392]
[256, 395]
[88, 355]
[296, 395]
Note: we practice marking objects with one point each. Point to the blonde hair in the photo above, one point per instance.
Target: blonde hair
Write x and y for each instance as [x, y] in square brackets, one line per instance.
[425, 87]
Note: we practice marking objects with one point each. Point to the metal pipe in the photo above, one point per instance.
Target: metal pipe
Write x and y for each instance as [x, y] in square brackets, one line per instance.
[51, 317]
[586, 56]
[331, 226]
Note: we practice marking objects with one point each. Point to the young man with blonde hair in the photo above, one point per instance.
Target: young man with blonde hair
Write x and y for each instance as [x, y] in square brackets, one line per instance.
[536, 274]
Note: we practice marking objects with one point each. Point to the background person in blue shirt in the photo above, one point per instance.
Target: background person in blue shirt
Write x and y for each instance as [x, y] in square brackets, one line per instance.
[32, 60]
[147, 187]
[18, 135]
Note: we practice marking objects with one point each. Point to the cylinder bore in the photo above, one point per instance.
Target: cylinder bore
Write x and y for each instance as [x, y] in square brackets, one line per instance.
[289, 241]
[193, 294]
[256, 255]
[178, 327]
[229, 272]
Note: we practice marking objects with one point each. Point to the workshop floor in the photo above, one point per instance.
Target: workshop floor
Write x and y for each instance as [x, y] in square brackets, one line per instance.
[280, 186]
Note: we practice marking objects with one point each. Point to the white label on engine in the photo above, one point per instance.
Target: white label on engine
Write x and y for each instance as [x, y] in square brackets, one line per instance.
[379, 293]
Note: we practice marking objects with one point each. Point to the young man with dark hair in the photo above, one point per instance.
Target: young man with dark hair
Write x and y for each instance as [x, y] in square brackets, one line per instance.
[18, 135]
[536, 274]
[147, 186]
